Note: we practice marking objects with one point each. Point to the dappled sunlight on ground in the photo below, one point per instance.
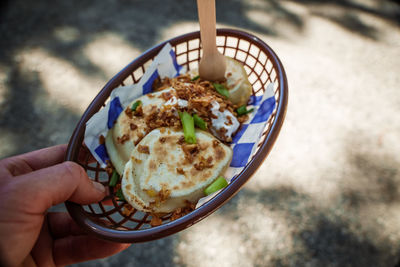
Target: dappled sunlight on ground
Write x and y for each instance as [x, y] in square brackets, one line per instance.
[63, 83]
[67, 34]
[207, 245]
[3, 87]
[7, 137]
[110, 53]
[180, 27]
[242, 234]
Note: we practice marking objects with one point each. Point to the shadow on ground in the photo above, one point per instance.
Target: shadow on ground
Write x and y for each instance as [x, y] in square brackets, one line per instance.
[31, 127]
[156, 253]
[26, 24]
[335, 233]
[322, 235]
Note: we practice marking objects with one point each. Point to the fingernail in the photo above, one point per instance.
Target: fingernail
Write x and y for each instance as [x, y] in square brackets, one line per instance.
[99, 186]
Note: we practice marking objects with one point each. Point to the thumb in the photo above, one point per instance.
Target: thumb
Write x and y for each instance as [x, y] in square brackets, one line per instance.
[56, 184]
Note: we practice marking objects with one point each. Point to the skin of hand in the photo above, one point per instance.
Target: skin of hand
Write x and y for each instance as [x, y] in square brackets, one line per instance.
[30, 236]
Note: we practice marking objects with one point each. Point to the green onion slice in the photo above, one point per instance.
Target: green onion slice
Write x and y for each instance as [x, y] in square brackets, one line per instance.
[216, 185]
[188, 127]
[114, 178]
[242, 110]
[195, 78]
[221, 89]
[135, 105]
[199, 122]
[120, 195]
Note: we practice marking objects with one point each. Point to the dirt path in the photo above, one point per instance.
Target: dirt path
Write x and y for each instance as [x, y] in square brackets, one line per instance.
[328, 194]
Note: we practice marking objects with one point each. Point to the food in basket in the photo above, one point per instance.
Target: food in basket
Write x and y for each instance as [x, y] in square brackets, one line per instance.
[237, 83]
[164, 172]
[131, 127]
[164, 162]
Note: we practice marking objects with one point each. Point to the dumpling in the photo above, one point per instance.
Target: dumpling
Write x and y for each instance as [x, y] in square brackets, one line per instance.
[164, 172]
[130, 129]
[237, 82]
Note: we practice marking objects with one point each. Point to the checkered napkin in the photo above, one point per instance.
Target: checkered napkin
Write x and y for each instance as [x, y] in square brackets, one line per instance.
[165, 65]
[244, 143]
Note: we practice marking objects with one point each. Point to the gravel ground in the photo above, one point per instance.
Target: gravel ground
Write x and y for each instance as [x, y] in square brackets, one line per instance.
[327, 195]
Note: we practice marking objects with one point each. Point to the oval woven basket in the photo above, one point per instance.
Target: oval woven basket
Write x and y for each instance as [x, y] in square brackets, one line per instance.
[108, 219]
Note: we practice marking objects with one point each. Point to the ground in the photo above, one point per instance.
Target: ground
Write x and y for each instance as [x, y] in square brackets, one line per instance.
[327, 195]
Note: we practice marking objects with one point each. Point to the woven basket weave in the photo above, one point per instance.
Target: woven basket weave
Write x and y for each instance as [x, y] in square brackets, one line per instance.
[107, 219]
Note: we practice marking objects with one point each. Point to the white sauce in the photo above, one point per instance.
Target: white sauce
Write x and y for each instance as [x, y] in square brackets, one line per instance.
[222, 120]
[171, 102]
[182, 103]
[174, 101]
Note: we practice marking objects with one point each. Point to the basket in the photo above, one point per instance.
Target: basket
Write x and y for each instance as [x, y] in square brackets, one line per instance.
[107, 219]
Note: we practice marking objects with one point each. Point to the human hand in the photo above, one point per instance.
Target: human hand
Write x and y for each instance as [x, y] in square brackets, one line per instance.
[29, 185]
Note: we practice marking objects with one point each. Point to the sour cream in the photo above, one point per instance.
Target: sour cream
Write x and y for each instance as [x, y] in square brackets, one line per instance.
[174, 101]
[222, 121]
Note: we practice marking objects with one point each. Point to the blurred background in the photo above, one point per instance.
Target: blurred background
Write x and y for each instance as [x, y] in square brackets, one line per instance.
[329, 192]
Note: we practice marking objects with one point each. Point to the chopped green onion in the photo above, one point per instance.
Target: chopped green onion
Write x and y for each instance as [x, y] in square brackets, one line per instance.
[120, 195]
[188, 127]
[195, 78]
[135, 105]
[199, 122]
[242, 110]
[114, 178]
[221, 89]
[218, 184]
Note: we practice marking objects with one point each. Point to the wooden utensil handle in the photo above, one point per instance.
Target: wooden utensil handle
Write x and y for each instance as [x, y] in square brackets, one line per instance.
[206, 11]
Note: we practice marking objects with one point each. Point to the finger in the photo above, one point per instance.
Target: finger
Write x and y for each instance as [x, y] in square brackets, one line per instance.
[43, 247]
[50, 186]
[35, 160]
[62, 225]
[75, 249]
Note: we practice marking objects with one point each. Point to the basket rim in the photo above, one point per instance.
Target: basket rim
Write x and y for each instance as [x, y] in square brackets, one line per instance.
[77, 212]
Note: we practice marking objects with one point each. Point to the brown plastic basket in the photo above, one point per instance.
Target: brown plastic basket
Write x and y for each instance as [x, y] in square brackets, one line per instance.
[263, 66]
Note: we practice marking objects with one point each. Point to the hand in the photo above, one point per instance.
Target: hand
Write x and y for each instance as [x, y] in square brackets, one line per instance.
[29, 185]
